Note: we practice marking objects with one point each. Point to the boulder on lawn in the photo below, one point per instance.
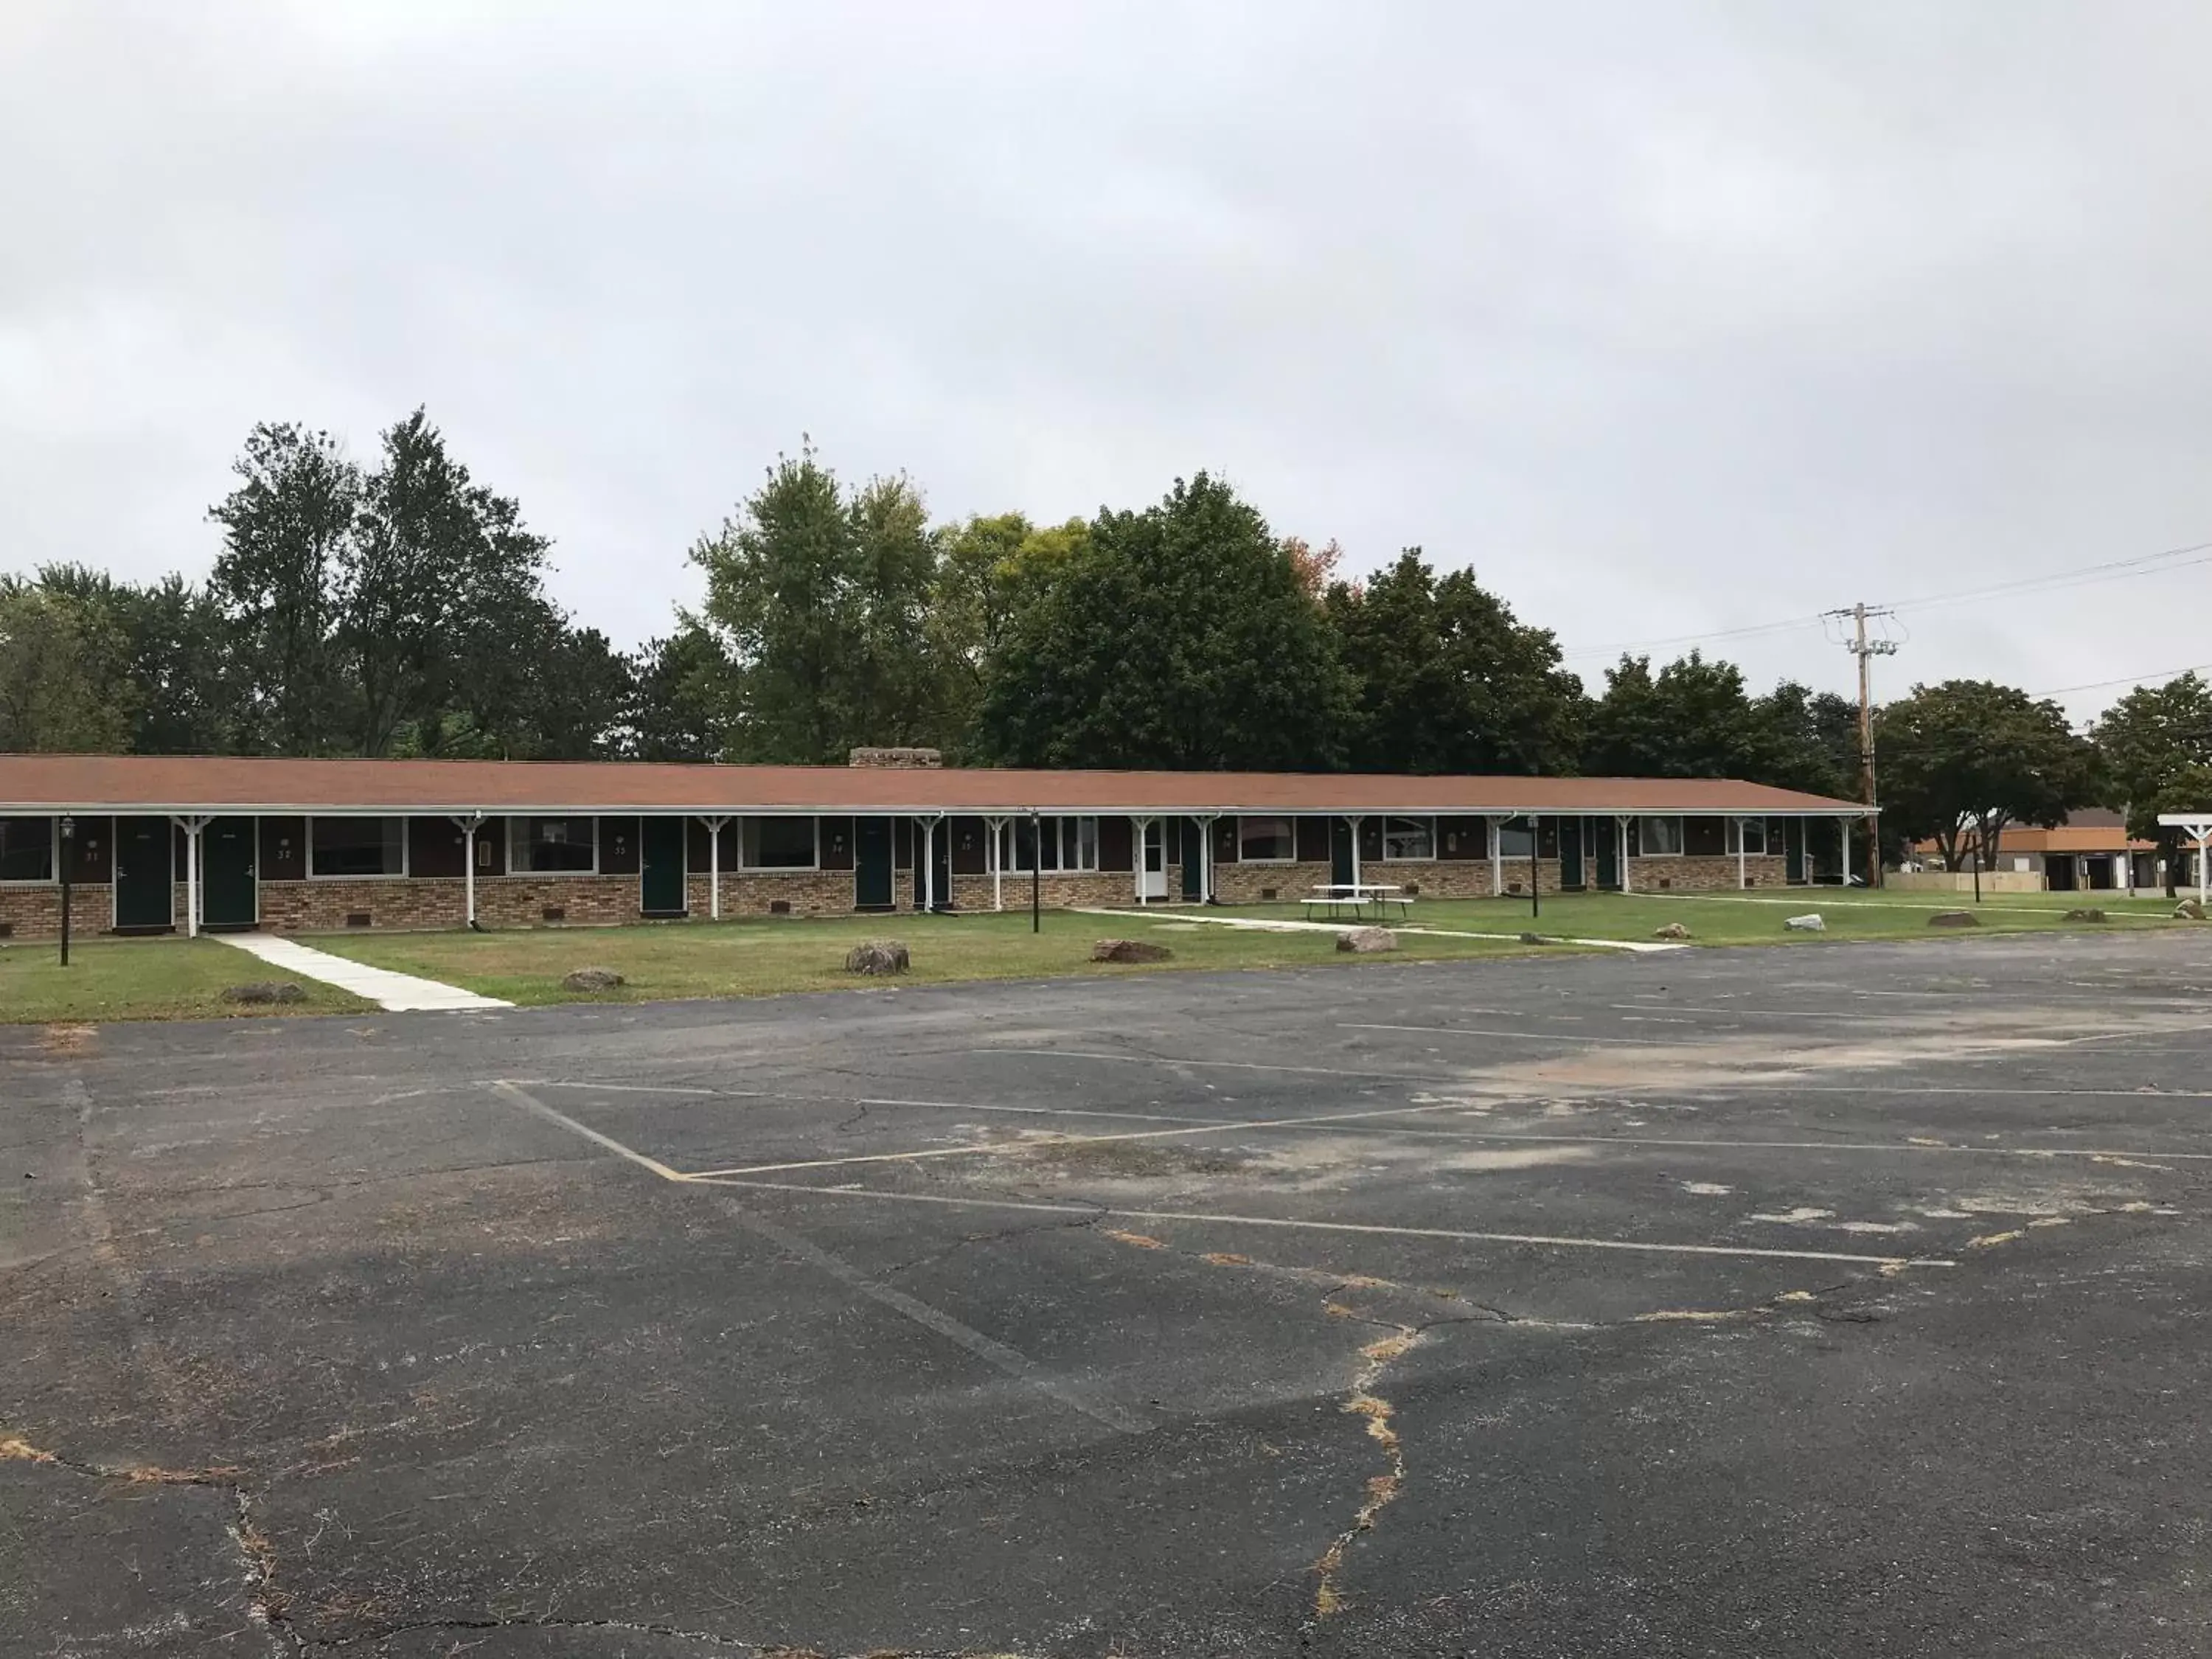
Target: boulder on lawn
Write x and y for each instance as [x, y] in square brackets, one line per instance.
[1672, 930]
[1367, 941]
[1129, 950]
[591, 979]
[1955, 919]
[2189, 910]
[2085, 915]
[265, 991]
[878, 957]
[1805, 924]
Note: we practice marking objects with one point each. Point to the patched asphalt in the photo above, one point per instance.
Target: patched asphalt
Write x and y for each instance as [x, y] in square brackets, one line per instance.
[1831, 1301]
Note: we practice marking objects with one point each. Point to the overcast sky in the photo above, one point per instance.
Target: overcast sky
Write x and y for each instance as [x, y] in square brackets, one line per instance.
[1666, 319]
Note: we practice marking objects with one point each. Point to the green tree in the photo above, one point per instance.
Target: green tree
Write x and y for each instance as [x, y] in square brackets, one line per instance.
[2156, 745]
[443, 603]
[1810, 739]
[66, 685]
[1693, 719]
[681, 692]
[986, 568]
[289, 543]
[820, 600]
[177, 656]
[1446, 680]
[1176, 636]
[1959, 760]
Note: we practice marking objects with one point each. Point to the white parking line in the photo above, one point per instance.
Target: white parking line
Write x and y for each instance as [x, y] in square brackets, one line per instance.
[1225, 1065]
[1547, 1241]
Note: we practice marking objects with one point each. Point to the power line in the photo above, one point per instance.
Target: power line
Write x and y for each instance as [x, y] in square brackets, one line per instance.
[2127, 679]
[2143, 564]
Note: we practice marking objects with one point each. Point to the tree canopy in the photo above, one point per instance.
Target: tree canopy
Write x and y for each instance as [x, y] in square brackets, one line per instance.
[2156, 745]
[1178, 636]
[1959, 760]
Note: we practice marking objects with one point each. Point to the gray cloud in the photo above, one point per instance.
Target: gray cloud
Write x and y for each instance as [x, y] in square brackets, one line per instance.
[1667, 318]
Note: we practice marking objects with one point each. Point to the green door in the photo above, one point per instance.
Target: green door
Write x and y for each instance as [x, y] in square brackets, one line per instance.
[145, 871]
[1605, 834]
[872, 863]
[1796, 873]
[660, 867]
[1339, 852]
[1194, 857]
[228, 895]
[1570, 855]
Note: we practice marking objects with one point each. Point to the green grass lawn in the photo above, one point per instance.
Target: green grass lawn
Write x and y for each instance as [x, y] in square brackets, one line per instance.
[1756, 917]
[142, 979]
[761, 957]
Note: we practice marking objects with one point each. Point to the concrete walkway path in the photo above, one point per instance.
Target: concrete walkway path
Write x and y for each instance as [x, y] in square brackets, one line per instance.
[399, 993]
[1270, 925]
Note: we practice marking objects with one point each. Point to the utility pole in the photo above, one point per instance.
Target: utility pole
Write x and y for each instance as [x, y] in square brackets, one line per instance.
[1865, 649]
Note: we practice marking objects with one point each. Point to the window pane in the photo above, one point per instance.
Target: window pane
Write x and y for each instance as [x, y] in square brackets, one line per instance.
[1079, 840]
[1514, 839]
[27, 849]
[1409, 838]
[1262, 839]
[783, 843]
[1750, 837]
[1657, 836]
[552, 845]
[357, 846]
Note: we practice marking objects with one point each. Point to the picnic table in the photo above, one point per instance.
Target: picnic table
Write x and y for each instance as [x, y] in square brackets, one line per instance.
[1362, 898]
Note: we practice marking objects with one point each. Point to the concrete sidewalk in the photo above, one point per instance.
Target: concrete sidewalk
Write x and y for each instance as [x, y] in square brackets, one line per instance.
[398, 992]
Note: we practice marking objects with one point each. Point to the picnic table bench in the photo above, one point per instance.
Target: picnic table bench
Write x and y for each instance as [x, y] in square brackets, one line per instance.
[1362, 898]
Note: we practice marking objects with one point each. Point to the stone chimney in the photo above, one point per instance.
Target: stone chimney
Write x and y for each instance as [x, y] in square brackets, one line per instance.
[897, 759]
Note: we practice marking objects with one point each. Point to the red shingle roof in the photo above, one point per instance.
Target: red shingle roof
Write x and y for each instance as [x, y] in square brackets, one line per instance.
[160, 783]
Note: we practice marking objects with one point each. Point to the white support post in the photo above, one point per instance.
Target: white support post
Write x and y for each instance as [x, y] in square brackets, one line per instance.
[928, 864]
[1206, 860]
[1843, 851]
[1354, 821]
[1496, 858]
[1137, 858]
[468, 826]
[1742, 861]
[715, 865]
[997, 829]
[1624, 854]
[191, 825]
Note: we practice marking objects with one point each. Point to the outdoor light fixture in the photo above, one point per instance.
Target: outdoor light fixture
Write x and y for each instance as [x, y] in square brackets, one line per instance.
[69, 847]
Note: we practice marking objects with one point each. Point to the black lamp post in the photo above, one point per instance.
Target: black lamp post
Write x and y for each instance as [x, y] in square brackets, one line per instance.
[1535, 900]
[68, 859]
[1977, 875]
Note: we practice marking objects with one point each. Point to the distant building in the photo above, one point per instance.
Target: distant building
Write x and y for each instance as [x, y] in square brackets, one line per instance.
[2091, 850]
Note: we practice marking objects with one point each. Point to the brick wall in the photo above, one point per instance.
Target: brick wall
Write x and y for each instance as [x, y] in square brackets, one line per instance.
[1703, 875]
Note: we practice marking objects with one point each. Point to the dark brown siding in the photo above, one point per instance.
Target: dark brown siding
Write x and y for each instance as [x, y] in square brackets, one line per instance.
[434, 847]
[1547, 838]
[617, 847]
[1704, 838]
[1114, 850]
[284, 849]
[1371, 840]
[902, 844]
[836, 843]
[92, 853]
[970, 844]
[1312, 839]
[1463, 838]
[1224, 841]
[491, 834]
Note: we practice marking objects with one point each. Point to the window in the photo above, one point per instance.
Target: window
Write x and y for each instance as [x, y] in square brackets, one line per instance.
[542, 846]
[777, 844]
[1266, 841]
[27, 849]
[1751, 833]
[1069, 844]
[357, 846]
[1659, 837]
[1408, 840]
[1516, 840]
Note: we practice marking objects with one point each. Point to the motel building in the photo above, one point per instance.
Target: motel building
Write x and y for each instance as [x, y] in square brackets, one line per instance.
[157, 844]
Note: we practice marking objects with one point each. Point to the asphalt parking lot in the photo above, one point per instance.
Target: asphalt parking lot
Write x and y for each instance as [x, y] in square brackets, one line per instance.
[1839, 1301]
